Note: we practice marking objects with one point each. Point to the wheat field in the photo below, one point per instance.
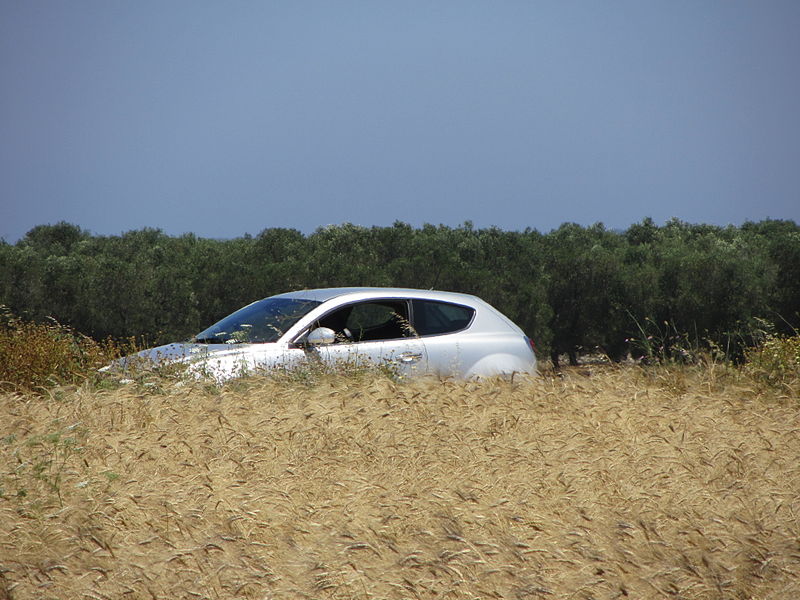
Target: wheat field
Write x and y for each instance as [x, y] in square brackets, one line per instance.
[614, 483]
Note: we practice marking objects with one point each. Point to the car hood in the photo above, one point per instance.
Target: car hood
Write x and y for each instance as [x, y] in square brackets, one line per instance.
[177, 353]
[218, 361]
[168, 354]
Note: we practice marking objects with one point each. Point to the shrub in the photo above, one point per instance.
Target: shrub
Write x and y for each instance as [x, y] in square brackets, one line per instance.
[34, 355]
[776, 361]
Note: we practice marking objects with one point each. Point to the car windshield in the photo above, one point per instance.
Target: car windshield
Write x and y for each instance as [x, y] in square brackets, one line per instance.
[260, 322]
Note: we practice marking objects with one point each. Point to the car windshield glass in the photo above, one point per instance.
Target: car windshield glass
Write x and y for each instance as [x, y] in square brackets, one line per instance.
[263, 321]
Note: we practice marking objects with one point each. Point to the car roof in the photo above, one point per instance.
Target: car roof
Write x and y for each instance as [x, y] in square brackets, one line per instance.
[325, 294]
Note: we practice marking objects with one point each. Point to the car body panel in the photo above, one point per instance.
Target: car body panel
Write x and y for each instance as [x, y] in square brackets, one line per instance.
[479, 355]
[404, 357]
[217, 361]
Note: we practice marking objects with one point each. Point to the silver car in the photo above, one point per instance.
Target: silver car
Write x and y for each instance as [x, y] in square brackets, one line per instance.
[414, 332]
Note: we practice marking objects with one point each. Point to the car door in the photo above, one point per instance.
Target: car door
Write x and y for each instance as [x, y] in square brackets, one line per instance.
[443, 327]
[373, 333]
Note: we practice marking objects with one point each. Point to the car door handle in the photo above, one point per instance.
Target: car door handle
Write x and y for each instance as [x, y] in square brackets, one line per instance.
[409, 357]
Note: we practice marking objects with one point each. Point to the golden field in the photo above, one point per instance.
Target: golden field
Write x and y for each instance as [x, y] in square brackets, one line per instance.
[611, 483]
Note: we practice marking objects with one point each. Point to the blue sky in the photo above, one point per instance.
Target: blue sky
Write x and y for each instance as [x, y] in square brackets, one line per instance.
[225, 118]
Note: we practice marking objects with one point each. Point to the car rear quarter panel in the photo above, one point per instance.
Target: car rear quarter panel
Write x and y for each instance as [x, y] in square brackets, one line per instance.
[475, 354]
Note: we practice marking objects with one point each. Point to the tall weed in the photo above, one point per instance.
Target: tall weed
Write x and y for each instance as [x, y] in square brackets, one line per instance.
[776, 362]
[663, 342]
[36, 355]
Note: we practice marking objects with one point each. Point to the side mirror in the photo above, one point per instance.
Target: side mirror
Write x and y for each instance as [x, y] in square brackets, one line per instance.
[321, 336]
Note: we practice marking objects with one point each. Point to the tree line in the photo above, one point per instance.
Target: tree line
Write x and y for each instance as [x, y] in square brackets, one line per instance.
[575, 289]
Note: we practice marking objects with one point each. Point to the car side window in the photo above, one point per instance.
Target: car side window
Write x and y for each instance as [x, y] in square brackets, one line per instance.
[432, 317]
[369, 321]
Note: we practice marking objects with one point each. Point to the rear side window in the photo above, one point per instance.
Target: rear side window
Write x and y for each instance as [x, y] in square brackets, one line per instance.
[433, 318]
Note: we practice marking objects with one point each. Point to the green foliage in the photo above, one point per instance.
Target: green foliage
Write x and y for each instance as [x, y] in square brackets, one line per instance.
[586, 288]
[780, 240]
[776, 362]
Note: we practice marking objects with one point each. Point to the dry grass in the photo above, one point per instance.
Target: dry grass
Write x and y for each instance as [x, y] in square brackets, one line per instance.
[670, 483]
[34, 356]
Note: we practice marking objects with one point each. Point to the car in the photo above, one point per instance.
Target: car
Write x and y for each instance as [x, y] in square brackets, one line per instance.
[413, 332]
